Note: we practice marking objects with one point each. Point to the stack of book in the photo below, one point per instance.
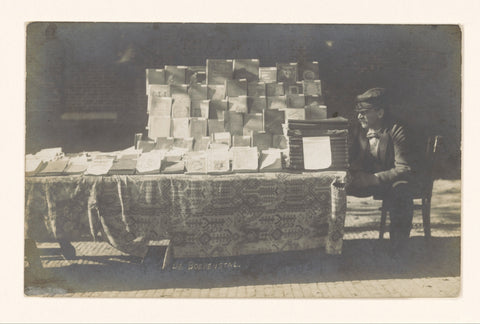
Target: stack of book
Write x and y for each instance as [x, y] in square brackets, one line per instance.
[317, 144]
[239, 97]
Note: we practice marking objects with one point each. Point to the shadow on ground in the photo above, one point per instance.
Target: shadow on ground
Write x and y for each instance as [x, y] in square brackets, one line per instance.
[361, 260]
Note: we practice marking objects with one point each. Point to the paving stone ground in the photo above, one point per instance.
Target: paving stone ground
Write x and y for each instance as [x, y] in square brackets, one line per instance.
[365, 269]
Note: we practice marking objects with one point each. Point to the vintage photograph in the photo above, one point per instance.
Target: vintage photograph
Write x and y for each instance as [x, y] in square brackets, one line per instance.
[242, 160]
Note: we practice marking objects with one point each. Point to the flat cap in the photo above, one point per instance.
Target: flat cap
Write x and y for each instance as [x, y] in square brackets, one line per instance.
[371, 98]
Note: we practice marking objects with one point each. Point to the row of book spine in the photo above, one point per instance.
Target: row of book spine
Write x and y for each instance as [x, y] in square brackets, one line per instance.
[217, 71]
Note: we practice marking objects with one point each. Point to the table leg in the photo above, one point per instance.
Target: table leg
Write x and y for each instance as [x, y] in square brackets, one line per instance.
[68, 250]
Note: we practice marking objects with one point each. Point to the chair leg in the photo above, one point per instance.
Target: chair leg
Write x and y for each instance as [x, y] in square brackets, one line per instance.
[426, 217]
[383, 220]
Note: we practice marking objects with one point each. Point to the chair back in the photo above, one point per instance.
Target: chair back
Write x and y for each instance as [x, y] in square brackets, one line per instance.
[432, 154]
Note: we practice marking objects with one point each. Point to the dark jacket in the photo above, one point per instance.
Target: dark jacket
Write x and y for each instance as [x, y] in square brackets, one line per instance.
[394, 153]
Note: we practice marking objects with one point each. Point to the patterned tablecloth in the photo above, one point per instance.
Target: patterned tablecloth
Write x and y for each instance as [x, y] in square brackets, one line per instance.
[203, 216]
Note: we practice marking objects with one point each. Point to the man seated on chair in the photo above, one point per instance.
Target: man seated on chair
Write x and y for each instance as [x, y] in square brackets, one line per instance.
[380, 162]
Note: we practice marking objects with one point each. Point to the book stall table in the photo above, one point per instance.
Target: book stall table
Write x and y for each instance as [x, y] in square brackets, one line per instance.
[201, 215]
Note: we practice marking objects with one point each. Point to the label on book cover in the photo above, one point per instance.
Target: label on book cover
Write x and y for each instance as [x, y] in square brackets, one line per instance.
[267, 74]
[218, 71]
[246, 69]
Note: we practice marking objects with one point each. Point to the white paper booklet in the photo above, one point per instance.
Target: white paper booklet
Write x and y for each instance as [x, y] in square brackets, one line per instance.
[317, 153]
[218, 161]
[150, 162]
[245, 159]
[99, 166]
[271, 160]
[196, 163]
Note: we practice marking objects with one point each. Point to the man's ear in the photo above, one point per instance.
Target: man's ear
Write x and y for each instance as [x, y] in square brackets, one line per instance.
[380, 113]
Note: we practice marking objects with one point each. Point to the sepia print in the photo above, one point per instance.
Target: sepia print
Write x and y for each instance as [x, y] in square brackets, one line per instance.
[242, 160]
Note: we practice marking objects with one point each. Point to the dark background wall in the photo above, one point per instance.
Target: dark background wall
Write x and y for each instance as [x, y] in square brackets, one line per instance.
[100, 67]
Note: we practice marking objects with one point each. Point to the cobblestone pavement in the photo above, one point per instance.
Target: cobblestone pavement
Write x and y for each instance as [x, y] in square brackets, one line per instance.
[365, 268]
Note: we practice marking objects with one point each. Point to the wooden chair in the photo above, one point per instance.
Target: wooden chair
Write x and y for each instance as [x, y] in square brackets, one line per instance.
[424, 188]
